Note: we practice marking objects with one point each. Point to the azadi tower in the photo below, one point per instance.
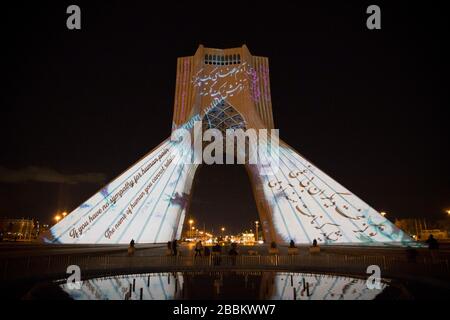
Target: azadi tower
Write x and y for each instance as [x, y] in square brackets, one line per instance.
[225, 89]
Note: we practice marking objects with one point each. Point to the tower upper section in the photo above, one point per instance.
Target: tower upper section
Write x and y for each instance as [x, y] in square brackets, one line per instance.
[232, 76]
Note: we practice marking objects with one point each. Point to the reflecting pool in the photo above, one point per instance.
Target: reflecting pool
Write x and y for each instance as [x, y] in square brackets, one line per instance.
[260, 285]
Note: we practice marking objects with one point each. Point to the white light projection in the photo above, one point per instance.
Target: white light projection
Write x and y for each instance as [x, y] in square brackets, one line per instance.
[146, 203]
[307, 204]
[236, 81]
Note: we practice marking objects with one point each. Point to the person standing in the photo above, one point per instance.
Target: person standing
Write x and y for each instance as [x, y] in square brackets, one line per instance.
[169, 248]
[292, 244]
[217, 251]
[433, 245]
[432, 242]
[198, 248]
[233, 253]
[174, 247]
[131, 248]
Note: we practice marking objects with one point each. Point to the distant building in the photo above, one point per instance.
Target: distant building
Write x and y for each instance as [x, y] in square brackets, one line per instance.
[248, 238]
[419, 229]
[12, 229]
[437, 234]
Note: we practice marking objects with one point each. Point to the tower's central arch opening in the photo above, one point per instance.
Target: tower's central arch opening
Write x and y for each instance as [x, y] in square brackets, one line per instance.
[218, 201]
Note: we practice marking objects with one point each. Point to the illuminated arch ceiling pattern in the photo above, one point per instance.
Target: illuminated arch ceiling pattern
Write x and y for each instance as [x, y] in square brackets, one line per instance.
[223, 117]
[295, 199]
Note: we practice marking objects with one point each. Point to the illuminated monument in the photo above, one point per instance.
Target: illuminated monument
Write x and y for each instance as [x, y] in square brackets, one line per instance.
[225, 89]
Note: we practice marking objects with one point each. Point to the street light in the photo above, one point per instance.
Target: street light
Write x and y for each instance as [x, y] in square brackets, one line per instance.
[383, 213]
[448, 211]
[57, 217]
[190, 226]
[257, 225]
[64, 214]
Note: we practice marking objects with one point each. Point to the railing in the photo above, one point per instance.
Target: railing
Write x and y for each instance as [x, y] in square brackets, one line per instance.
[56, 265]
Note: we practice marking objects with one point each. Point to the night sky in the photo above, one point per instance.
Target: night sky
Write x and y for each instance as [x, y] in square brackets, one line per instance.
[367, 107]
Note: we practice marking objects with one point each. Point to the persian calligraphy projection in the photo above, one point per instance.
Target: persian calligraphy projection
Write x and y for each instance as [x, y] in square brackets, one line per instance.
[224, 89]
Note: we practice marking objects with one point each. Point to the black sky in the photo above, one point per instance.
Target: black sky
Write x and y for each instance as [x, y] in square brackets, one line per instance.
[367, 107]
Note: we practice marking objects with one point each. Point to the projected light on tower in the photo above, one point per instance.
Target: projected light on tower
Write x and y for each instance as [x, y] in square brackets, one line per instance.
[225, 89]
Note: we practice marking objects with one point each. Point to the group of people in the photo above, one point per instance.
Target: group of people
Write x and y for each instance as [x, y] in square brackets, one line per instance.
[216, 252]
[216, 249]
[292, 243]
[172, 248]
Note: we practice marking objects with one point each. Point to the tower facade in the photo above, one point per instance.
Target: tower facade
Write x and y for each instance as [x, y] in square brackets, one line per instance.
[224, 89]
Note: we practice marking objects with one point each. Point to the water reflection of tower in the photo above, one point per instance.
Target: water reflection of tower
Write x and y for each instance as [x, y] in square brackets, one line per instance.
[266, 290]
[178, 286]
[152, 286]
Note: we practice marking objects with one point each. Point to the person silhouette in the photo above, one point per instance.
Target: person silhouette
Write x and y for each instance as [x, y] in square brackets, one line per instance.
[432, 243]
[175, 247]
[217, 251]
[131, 248]
[169, 248]
[198, 248]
